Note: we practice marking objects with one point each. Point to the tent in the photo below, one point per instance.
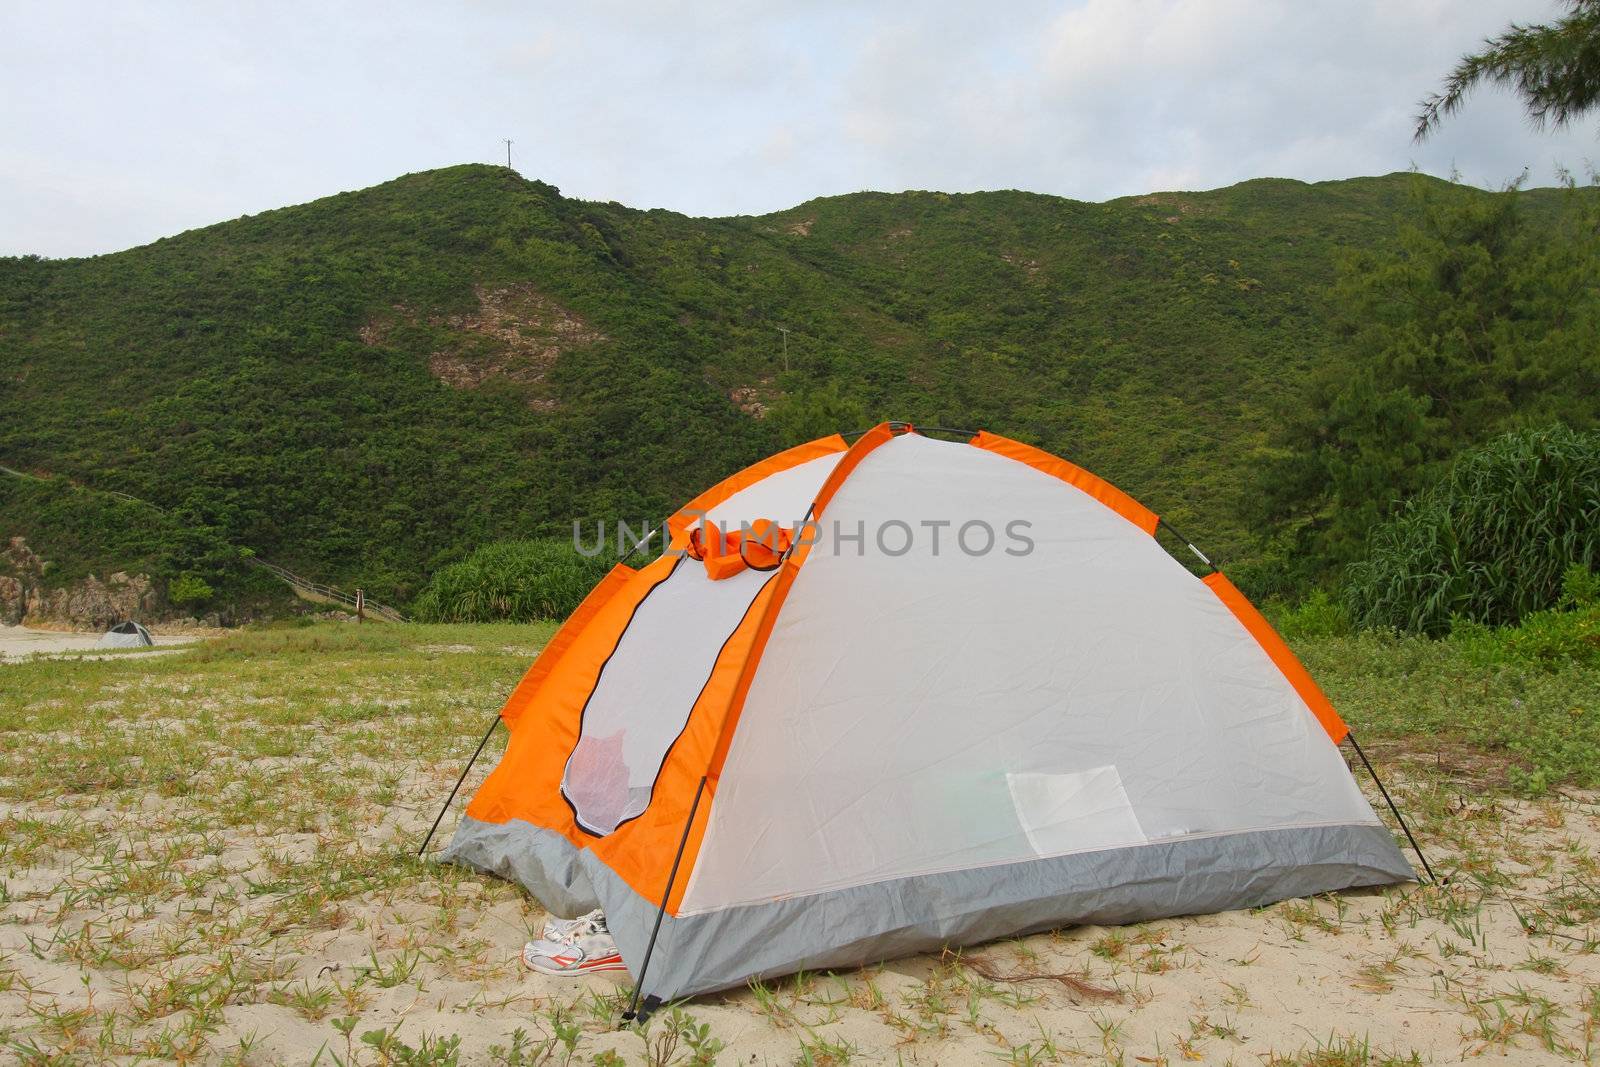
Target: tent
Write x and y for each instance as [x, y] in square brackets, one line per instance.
[948, 691]
[125, 635]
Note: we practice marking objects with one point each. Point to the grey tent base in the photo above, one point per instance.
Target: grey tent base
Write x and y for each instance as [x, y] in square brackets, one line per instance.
[885, 920]
[546, 864]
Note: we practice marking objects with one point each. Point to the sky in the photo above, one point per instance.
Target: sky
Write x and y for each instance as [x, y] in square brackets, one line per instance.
[121, 123]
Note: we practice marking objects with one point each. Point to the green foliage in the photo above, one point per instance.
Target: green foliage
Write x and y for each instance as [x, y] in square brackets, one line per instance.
[1555, 68]
[189, 588]
[811, 412]
[1580, 587]
[271, 380]
[511, 581]
[1319, 615]
[1490, 543]
[80, 532]
[1476, 322]
[1551, 639]
[1529, 693]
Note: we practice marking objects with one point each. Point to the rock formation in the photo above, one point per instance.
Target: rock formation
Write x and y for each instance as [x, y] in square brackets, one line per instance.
[90, 603]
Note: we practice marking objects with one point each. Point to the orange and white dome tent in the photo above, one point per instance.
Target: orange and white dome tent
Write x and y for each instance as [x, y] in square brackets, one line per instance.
[882, 731]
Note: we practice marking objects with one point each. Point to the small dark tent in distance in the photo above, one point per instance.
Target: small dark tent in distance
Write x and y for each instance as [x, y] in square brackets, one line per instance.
[126, 635]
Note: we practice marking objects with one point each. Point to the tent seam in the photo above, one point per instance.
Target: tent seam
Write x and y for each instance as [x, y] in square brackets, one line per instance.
[865, 444]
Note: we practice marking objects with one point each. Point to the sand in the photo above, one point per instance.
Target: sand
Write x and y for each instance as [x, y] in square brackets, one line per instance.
[18, 642]
[1444, 973]
[211, 858]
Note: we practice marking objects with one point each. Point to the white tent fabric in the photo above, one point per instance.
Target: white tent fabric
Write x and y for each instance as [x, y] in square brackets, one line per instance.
[649, 683]
[938, 710]
[988, 704]
[783, 497]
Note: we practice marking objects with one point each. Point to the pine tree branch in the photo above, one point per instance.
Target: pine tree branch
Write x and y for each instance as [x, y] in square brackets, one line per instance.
[1554, 68]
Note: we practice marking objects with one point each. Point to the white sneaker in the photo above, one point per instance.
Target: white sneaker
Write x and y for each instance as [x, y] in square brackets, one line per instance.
[584, 954]
[564, 931]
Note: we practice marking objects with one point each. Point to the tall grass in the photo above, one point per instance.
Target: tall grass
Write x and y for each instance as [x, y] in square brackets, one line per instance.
[1489, 543]
[511, 581]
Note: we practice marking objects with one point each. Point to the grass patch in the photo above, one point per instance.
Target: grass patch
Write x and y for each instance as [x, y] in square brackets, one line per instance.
[1527, 722]
[209, 857]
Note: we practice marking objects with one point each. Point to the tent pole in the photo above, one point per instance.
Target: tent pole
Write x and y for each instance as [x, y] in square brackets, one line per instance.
[464, 772]
[1173, 530]
[496, 722]
[642, 542]
[633, 1008]
[897, 425]
[1392, 807]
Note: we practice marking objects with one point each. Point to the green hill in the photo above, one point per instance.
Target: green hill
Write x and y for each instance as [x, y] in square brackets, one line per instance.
[368, 386]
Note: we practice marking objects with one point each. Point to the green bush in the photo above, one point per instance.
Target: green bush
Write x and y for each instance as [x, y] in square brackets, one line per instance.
[511, 581]
[1548, 639]
[1563, 636]
[1580, 587]
[1490, 542]
[1319, 615]
[189, 588]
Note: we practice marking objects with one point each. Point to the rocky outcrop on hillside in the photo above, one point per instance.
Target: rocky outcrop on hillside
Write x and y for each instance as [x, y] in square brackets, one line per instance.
[89, 603]
[20, 572]
[515, 336]
[13, 601]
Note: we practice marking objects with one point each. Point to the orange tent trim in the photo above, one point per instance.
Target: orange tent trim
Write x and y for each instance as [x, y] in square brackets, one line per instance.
[696, 509]
[1073, 475]
[523, 695]
[1280, 654]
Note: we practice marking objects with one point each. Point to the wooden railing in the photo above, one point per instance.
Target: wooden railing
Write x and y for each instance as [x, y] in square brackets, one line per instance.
[329, 594]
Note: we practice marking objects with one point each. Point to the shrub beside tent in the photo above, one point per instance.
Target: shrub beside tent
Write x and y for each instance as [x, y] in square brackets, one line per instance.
[789, 745]
[125, 635]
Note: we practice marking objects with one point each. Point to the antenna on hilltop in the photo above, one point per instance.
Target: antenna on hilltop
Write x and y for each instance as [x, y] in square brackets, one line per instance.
[785, 331]
[508, 153]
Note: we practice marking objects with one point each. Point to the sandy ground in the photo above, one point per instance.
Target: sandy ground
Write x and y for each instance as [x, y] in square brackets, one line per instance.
[1494, 965]
[1442, 974]
[210, 858]
[17, 642]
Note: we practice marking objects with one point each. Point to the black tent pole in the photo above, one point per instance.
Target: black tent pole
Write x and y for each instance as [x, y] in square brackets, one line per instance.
[919, 429]
[464, 772]
[1392, 807]
[490, 731]
[1173, 530]
[633, 1008]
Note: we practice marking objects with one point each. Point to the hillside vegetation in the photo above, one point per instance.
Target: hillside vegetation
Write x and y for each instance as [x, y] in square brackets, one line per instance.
[368, 387]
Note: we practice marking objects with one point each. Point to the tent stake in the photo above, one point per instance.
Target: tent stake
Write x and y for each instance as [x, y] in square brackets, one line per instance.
[633, 1008]
[464, 772]
[1392, 807]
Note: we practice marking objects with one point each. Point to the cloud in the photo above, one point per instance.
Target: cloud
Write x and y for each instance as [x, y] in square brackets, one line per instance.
[123, 124]
[1113, 97]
